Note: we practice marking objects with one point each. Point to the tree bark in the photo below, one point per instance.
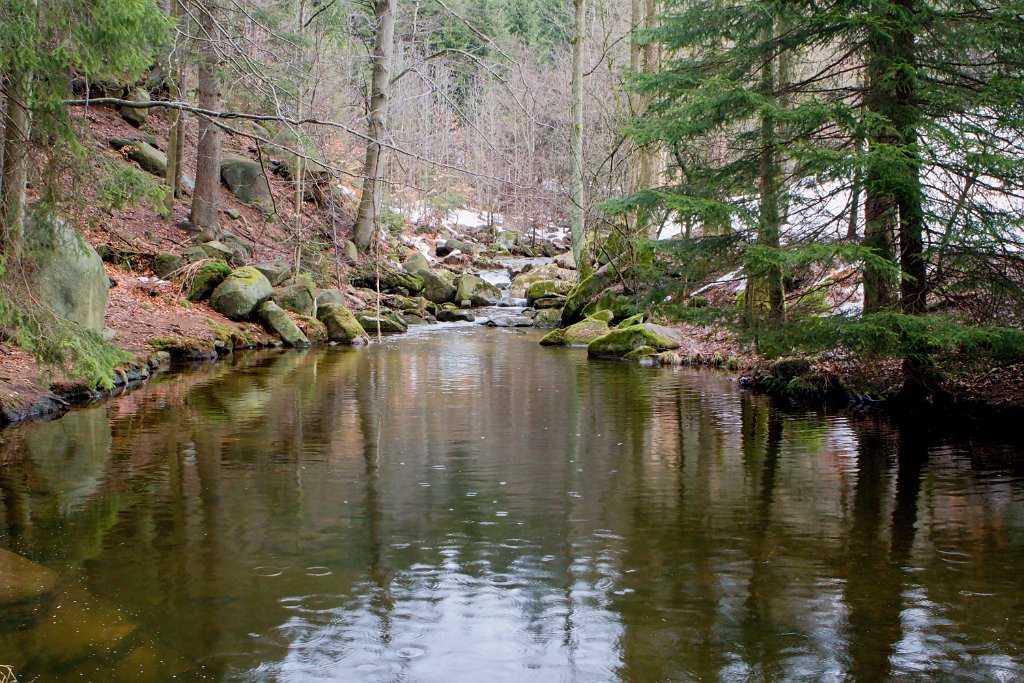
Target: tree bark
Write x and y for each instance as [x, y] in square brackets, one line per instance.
[171, 178]
[206, 199]
[14, 183]
[770, 215]
[578, 218]
[368, 215]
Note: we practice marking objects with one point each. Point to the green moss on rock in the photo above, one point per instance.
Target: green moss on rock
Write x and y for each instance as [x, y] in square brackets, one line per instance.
[620, 341]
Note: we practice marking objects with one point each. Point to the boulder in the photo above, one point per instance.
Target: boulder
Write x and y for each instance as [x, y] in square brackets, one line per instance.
[351, 251]
[148, 157]
[298, 298]
[585, 331]
[451, 314]
[416, 264]
[207, 279]
[587, 289]
[546, 288]
[277, 271]
[632, 320]
[547, 271]
[622, 340]
[330, 296]
[241, 292]
[547, 318]
[549, 302]
[136, 116]
[414, 319]
[193, 254]
[505, 240]
[567, 261]
[553, 338]
[246, 180]
[455, 245]
[436, 288]
[314, 330]
[389, 322]
[219, 250]
[476, 290]
[242, 248]
[22, 580]
[233, 214]
[509, 321]
[67, 275]
[276, 320]
[341, 325]
[165, 264]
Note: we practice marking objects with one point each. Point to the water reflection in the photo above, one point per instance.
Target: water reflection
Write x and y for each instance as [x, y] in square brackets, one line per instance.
[467, 506]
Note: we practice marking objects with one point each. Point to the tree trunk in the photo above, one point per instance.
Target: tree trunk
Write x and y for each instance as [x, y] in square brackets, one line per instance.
[770, 215]
[578, 224]
[171, 178]
[206, 199]
[368, 215]
[14, 182]
[300, 146]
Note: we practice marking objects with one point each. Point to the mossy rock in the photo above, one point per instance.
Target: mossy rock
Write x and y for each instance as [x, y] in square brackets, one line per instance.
[434, 287]
[276, 320]
[474, 289]
[241, 292]
[621, 306]
[193, 254]
[620, 341]
[603, 316]
[148, 157]
[641, 353]
[554, 337]
[588, 288]
[165, 264]
[23, 581]
[341, 325]
[242, 248]
[585, 331]
[632, 320]
[454, 315]
[549, 302]
[547, 318]
[219, 250]
[546, 288]
[315, 331]
[389, 322]
[207, 279]
[330, 296]
[297, 298]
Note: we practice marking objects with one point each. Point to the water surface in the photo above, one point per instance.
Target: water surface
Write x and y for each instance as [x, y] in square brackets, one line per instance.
[464, 505]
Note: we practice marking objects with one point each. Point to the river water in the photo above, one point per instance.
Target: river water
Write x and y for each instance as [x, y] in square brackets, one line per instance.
[462, 504]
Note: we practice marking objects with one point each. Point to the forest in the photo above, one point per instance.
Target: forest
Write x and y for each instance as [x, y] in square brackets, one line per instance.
[826, 197]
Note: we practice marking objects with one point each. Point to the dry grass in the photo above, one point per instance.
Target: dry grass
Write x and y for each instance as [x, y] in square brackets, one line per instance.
[7, 674]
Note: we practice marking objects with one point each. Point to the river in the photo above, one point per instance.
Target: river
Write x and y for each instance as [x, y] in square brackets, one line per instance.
[462, 504]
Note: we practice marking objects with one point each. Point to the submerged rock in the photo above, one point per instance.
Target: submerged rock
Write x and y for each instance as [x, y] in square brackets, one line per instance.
[341, 325]
[274, 317]
[450, 314]
[22, 580]
[241, 292]
[509, 321]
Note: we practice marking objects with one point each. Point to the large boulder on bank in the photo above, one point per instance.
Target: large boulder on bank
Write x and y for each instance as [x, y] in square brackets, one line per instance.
[148, 157]
[476, 290]
[136, 116]
[22, 580]
[299, 298]
[207, 278]
[248, 182]
[242, 248]
[388, 321]
[67, 275]
[623, 340]
[330, 296]
[276, 320]
[341, 325]
[241, 292]
[165, 264]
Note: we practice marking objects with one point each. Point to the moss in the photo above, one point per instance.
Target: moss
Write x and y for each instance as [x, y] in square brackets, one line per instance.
[585, 331]
[553, 338]
[314, 330]
[207, 279]
[620, 341]
[642, 352]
